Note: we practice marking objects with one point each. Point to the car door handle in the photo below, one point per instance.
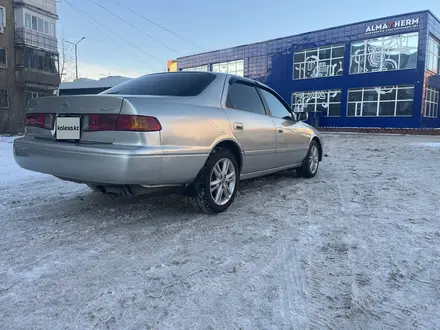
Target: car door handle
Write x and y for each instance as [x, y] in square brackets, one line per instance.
[280, 129]
[238, 126]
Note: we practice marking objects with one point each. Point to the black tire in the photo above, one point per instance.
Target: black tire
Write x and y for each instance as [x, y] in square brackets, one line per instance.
[306, 170]
[203, 198]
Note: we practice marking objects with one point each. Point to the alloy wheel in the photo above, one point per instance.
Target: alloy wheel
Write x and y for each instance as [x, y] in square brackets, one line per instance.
[313, 159]
[222, 181]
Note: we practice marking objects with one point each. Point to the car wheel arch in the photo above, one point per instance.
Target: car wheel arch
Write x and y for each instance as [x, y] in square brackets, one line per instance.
[231, 145]
[318, 141]
[234, 148]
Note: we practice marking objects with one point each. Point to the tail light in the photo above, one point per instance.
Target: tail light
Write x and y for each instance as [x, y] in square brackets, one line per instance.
[121, 123]
[41, 120]
[100, 123]
[137, 123]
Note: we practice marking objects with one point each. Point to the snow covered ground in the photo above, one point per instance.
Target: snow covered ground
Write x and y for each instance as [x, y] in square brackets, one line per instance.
[357, 247]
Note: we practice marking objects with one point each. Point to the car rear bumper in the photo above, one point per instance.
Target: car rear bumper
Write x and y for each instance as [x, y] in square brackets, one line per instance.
[92, 163]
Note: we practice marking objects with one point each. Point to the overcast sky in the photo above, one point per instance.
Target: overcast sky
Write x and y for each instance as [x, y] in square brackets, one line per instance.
[129, 45]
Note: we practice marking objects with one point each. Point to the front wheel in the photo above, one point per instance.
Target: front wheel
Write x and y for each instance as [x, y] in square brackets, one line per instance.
[310, 164]
[219, 182]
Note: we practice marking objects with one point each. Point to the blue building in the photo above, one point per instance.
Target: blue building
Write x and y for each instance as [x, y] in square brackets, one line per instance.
[377, 73]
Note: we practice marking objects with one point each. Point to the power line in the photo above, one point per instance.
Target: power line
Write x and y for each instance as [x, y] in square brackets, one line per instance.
[108, 35]
[117, 35]
[111, 33]
[134, 27]
[158, 25]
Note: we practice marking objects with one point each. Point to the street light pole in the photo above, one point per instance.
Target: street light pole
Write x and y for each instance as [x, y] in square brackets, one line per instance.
[76, 53]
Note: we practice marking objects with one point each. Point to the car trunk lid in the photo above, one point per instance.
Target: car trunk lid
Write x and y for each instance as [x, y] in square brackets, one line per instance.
[68, 117]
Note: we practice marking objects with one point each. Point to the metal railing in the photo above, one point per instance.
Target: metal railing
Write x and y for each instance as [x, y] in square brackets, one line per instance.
[36, 39]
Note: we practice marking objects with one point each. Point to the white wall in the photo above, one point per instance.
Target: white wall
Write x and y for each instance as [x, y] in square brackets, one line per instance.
[19, 17]
[47, 5]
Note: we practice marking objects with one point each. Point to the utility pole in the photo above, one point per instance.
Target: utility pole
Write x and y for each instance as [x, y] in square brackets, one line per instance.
[76, 53]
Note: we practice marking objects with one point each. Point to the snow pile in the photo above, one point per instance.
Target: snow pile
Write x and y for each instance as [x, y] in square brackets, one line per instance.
[354, 248]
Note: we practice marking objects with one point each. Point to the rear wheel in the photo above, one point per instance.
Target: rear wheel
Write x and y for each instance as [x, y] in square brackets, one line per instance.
[219, 182]
[310, 164]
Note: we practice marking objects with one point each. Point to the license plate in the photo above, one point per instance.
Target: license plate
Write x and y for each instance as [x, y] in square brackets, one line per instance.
[68, 128]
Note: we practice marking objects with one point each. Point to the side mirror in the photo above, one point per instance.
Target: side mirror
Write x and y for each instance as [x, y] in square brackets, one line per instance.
[302, 116]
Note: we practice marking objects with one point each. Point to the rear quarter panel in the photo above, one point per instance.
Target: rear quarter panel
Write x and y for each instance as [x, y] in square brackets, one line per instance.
[189, 133]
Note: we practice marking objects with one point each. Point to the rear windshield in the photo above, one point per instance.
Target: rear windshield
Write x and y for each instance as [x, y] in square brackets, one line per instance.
[167, 84]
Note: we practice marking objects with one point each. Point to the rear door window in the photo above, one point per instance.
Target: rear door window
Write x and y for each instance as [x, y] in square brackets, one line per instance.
[245, 97]
[165, 84]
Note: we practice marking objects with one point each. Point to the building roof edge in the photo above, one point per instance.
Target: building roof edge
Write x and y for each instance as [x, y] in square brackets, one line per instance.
[314, 31]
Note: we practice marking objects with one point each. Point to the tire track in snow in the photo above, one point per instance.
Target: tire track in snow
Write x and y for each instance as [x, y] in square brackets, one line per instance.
[294, 300]
[296, 294]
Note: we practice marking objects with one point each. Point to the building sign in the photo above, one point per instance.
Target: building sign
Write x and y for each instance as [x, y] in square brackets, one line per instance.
[402, 24]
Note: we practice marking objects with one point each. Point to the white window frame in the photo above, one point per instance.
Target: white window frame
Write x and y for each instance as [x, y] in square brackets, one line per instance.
[3, 16]
[378, 101]
[51, 28]
[431, 104]
[7, 99]
[238, 63]
[42, 25]
[366, 54]
[5, 66]
[302, 65]
[197, 68]
[317, 101]
[30, 21]
[431, 56]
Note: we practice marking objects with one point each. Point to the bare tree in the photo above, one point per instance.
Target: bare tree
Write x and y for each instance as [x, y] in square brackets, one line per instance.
[65, 61]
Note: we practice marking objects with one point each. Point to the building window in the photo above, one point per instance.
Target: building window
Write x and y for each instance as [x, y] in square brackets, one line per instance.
[232, 67]
[328, 102]
[197, 68]
[38, 59]
[3, 58]
[431, 103]
[4, 99]
[34, 23]
[2, 16]
[433, 58]
[381, 101]
[319, 62]
[388, 53]
[40, 25]
[27, 21]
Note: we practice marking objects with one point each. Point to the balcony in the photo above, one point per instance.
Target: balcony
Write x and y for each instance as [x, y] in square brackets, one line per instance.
[36, 39]
[38, 79]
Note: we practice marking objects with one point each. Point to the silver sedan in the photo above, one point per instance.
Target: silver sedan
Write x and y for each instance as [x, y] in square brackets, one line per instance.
[199, 132]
